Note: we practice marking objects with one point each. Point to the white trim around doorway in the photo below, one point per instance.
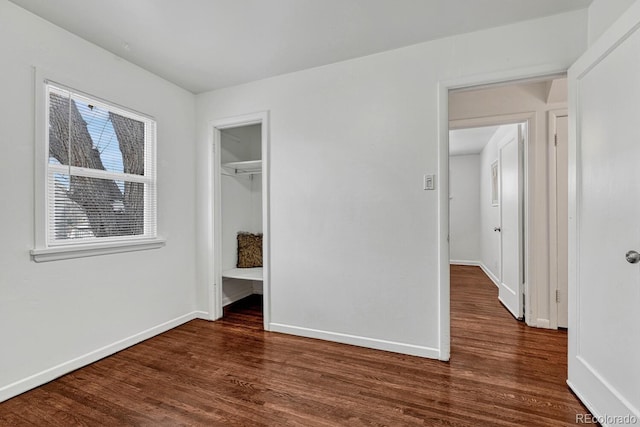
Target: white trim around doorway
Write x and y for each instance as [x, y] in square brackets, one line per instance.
[552, 115]
[444, 87]
[214, 213]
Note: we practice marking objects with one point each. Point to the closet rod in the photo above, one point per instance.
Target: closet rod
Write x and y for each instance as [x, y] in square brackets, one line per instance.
[241, 172]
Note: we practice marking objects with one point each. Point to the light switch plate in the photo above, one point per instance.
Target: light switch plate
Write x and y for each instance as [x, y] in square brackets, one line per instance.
[429, 182]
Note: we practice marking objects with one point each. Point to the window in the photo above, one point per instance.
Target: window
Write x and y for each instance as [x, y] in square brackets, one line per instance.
[100, 173]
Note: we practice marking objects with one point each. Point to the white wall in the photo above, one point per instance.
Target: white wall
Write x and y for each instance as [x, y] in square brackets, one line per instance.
[56, 316]
[527, 99]
[464, 205]
[603, 13]
[354, 252]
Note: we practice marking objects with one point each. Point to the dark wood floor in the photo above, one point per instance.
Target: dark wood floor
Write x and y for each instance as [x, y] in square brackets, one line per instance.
[231, 373]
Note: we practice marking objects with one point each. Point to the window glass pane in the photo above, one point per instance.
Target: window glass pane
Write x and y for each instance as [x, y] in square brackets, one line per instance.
[105, 140]
[69, 219]
[58, 127]
[91, 207]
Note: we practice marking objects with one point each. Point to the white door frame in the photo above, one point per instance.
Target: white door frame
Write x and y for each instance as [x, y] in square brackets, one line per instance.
[553, 217]
[444, 87]
[214, 212]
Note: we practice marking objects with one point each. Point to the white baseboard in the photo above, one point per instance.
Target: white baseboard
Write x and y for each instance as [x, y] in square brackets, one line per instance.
[600, 397]
[491, 276]
[396, 347]
[465, 262]
[204, 315]
[20, 386]
[543, 323]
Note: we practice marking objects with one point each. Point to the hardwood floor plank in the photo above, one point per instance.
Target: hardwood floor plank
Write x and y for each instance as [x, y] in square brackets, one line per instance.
[232, 373]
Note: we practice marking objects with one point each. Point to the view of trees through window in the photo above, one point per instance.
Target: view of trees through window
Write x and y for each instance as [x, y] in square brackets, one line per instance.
[91, 152]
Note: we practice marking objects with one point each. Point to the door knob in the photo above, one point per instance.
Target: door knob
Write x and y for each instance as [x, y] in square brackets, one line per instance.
[500, 229]
[632, 257]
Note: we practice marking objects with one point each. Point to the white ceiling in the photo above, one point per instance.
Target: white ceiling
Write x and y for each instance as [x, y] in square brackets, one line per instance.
[208, 44]
[470, 141]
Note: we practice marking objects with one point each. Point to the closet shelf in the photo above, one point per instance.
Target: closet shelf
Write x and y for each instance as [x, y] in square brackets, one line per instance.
[250, 167]
[244, 273]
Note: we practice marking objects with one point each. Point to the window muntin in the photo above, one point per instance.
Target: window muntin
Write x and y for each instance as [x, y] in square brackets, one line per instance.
[101, 183]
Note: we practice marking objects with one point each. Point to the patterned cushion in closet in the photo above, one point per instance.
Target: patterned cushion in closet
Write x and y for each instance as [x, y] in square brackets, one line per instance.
[249, 250]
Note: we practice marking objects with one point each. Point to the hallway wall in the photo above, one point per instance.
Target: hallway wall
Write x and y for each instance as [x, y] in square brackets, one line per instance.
[464, 204]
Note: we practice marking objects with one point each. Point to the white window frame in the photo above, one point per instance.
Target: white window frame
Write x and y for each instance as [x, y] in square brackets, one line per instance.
[48, 249]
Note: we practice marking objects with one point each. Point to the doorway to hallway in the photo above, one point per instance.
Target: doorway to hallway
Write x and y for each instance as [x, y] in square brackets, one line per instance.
[532, 102]
[486, 206]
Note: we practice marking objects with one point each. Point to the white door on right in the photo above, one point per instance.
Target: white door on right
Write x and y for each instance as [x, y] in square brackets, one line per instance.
[511, 291]
[604, 225]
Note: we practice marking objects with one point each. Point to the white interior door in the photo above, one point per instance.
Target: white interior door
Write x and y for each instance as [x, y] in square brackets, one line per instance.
[511, 284]
[562, 215]
[604, 283]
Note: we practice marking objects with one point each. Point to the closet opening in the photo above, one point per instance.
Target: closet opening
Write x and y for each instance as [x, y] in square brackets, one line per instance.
[241, 203]
[240, 215]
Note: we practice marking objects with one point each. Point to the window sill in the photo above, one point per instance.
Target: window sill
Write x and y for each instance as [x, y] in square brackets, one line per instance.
[87, 250]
